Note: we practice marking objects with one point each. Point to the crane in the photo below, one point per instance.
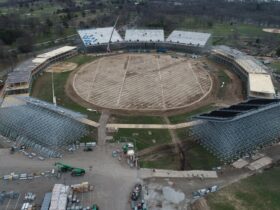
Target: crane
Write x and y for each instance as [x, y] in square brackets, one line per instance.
[108, 46]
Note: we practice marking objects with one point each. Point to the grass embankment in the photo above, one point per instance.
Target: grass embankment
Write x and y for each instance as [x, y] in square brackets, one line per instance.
[42, 89]
[257, 193]
[187, 116]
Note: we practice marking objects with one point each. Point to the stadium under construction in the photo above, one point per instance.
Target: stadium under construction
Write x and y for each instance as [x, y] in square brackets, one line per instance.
[228, 133]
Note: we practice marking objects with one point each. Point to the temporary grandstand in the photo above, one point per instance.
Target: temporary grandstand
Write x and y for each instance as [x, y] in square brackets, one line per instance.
[96, 40]
[144, 35]
[20, 79]
[43, 127]
[253, 73]
[238, 130]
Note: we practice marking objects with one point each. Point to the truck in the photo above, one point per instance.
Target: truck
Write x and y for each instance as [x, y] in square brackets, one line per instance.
[78, 172]
[67, 168]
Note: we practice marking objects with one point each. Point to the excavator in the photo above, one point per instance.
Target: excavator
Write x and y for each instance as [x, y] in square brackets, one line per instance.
[66, 168]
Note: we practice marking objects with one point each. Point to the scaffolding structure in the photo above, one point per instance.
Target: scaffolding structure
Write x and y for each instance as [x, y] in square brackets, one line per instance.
[239, 130]
[43, 129]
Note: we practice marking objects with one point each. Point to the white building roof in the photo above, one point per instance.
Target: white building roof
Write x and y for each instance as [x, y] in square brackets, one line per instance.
[227, 51]
[261, 83]
[251, 65]
[39, 60]
[56, 52]
[96, 36]
[144, 35]
[189, 38]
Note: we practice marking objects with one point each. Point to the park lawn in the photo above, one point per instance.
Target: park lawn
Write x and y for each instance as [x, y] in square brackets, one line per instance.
[276, 66]
[241, 29]
[142, 137]
[42, 89]
[258, 192]
[137, 119]
[187, 116]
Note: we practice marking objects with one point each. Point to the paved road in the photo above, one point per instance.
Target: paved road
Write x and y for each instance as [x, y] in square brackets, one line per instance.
[102, 127]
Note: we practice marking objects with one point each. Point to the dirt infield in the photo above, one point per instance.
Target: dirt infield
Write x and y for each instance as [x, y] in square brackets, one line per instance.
[142, 82]
[61, 67]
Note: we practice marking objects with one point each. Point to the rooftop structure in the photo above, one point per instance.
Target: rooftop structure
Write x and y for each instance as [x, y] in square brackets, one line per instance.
[56, 52]
[42, 126]
[189, 38]
[240, 129]
[97, 36]
[261, 83]
[144, 35]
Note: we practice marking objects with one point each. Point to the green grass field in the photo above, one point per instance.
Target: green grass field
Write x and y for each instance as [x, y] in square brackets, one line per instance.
[224, 80]
[138, 119]
[143, 137]
[276, 66]
[42, 89]
[259, 192]
[81, 59]
[187, 116]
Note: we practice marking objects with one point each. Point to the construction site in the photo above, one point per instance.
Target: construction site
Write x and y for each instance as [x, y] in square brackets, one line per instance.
[88, 135]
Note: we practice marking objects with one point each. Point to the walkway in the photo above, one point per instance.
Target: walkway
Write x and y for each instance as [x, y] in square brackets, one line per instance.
[102, 128]
[159, 173]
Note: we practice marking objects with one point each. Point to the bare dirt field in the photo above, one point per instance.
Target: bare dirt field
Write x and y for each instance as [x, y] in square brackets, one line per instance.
[145, 82]
[61, 67]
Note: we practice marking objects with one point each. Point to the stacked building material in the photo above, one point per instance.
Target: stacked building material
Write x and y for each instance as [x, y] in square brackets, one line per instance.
[83, 187]
[59, 197]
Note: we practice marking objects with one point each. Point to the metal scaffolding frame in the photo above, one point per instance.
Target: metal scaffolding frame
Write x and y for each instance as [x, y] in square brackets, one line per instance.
[44, 130]
[239, 130]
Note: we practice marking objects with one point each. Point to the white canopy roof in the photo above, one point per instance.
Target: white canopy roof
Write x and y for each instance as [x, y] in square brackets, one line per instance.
[189, 38]
[261, 83]
[97, 36]
[144, 35]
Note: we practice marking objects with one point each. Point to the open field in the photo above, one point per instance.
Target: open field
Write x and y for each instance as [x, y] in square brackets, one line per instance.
[257, 192]
[140, 82]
